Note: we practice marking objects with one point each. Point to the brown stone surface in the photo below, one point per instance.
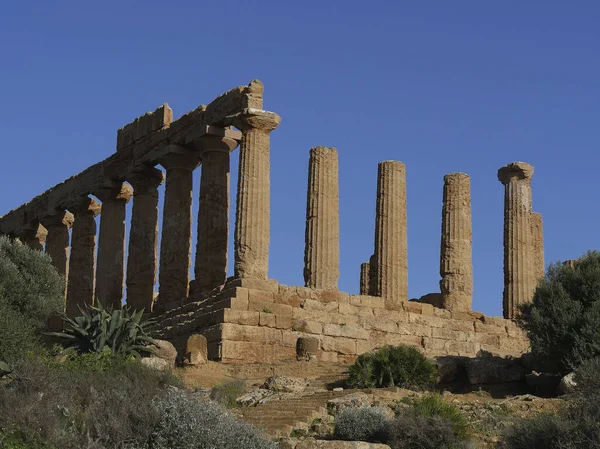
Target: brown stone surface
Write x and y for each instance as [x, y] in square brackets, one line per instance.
[322, 239]
[196, 349]
[391, 245]
[82, 263]
[537, 237]
[142, 256]
[210, 268]
[307, 348]
[456, 267]
[111, 245]
[365, 278]
[144, 125]
[57, 241]
[176, 239]
[34, 237]
[252, 222]
[519, 274]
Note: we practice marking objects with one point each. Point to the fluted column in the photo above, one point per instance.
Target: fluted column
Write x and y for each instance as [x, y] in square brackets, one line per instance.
[142, 258]
[322, 247]
[391, 245]
[537, 238]
[252, 221]
[176, 240]
[34, 237]
[365, 278]
[456, 267]
[82, 263]
[57, 241]
[111, 245]
[519, 277]
[210, 267]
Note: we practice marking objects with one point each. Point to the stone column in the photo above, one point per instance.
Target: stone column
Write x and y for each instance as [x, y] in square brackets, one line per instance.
[365, 278]
[111, 245]
[57, 241]
[34, 237]
[391, 244]
[456, 266]
[537, 238]
[519, 277]
[210, 267]
[176, 240]
[252, 221]
[322, 248]
[82, 263]
[142, 258]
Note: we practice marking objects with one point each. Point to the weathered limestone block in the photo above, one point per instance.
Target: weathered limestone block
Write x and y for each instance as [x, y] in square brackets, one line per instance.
[391, 245]
[82, 263]
[519, 274]
[537, 237]
[196, 349]
[111, 245]
[176, 241]
[35, 237]
[252, 222]
[210, 268]
[144, 125]
[142, 257]
[456, 267]
[365, 278]
[322, 246]
[57, 240]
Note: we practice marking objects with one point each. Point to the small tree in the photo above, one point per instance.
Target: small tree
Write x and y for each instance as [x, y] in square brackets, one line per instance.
[31, 291]
[563, 320]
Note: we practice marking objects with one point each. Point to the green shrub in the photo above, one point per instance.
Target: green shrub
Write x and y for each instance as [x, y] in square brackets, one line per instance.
[188, 423]
[412, 431]
[542, 431]
[31, 291]
[97, 329]
[401, 366]
[434, 405]
[227, 393]
[361, 424]
[587, 378]
[563, 321]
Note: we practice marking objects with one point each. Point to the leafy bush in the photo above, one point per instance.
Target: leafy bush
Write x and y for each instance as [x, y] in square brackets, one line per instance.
[188, 423]
[401, 366]
[361, 424]
[97, 330]
[31, 291]
[412, 431]
[434, 405]
[94, 401]
[563, 321]
[227, 393]
[587, 378]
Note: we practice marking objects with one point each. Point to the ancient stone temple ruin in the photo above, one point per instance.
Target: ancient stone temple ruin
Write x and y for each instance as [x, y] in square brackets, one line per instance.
[251, 317]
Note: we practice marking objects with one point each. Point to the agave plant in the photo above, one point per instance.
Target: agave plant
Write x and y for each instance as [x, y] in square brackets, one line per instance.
[121, 331]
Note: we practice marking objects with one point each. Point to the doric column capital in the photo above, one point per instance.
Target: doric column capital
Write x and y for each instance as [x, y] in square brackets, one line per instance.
[115, 192]
[86, 204]
[147, 179]
[212, 138]
[515, 171]
[180, 161]
[251, 118]
[34, 233]
[62, 218]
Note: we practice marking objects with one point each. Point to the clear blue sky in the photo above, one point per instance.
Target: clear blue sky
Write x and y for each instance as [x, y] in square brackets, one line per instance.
[442, 86]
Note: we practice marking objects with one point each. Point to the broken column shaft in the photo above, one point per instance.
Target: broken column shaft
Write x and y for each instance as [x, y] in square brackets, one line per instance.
[111, 245]
[391, 245]
[456, 267]
[519, 276]
[365, 278]
[322, 244]
[82, 262]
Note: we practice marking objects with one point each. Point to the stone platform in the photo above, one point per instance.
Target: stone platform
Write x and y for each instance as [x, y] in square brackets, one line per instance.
[263, 325]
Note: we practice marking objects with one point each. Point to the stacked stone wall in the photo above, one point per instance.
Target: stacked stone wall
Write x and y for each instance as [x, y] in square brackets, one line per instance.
[248, 325]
